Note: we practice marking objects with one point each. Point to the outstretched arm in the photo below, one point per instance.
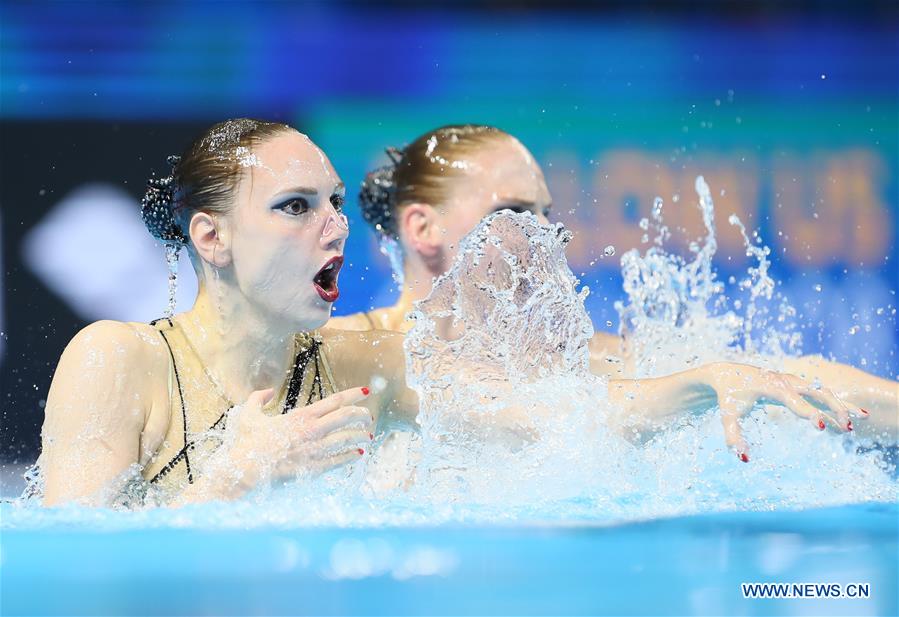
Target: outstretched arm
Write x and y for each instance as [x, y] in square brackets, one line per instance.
[652, 404]
[375, 358]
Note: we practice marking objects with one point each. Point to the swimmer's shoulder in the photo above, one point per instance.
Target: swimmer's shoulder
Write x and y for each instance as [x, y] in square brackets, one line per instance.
[356, 354]
[352, 345]
[122, 344]
[372, 358]
[110, 375]
[605, 344]
[356, 322]
[111, 353]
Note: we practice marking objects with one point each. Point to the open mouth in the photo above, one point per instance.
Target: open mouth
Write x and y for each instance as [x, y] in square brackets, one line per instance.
[325, 282]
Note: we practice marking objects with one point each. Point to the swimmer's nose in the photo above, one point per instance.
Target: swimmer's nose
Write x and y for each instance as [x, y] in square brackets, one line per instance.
[336, 228]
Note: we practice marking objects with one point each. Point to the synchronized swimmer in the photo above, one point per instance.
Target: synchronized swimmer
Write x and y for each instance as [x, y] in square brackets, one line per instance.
[440, 186]
[258, 207]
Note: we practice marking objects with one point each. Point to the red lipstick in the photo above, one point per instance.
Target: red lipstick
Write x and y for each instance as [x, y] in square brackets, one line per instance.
[325, 280]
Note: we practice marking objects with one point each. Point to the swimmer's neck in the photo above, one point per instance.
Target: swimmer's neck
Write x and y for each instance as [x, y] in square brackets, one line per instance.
[417, 284]
[242, 350]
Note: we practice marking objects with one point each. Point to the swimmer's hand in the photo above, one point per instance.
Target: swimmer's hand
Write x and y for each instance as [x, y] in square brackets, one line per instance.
[258, 448]
[735, 389]
[867, 392]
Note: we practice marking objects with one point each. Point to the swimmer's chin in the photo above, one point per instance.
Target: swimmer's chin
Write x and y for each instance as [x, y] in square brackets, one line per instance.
[315, 313]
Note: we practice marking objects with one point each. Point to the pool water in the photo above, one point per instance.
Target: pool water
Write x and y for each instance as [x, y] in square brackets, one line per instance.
[686, 565]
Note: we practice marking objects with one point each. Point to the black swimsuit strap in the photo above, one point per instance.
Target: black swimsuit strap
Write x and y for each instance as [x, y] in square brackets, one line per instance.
[183, 452]
[299, 374]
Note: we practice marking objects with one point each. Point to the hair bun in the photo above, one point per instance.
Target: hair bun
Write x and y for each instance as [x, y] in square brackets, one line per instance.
[376, 197]
[157, 208]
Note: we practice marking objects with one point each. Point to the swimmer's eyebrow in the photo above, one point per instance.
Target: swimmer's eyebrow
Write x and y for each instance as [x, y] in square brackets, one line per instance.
[303, 190]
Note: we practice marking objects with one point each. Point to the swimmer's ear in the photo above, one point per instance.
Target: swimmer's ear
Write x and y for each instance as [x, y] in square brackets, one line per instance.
[420, 229]
[207, 233]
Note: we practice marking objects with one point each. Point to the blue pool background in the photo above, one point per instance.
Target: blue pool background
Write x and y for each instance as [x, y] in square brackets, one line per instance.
[692, 565]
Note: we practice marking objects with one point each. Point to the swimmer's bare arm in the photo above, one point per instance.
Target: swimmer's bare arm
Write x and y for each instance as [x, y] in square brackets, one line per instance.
[96, 411]
[374, 358]
[650, 404]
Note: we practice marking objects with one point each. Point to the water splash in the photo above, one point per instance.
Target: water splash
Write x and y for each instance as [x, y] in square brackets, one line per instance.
[675, 304]
[392, 250]
[172, 252]
[501, 338]
[498, 349]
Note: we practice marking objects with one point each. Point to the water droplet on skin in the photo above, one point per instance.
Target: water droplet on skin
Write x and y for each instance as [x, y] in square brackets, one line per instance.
[378, 383]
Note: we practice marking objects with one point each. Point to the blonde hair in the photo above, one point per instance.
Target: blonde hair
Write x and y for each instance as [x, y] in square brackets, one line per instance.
[422, 172]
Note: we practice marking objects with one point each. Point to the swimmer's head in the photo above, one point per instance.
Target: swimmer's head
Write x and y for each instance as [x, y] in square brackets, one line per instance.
[260, 208]
[204, 178]
[439, 187]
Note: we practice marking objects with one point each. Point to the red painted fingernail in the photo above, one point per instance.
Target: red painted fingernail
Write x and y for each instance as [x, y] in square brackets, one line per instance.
[365, 391]
[849, 425]
[864, 411]
[360, 451]
[743, 457]
[820, 424]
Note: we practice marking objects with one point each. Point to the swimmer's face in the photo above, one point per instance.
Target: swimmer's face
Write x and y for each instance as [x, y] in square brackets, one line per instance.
[501, 176]
[289, 231]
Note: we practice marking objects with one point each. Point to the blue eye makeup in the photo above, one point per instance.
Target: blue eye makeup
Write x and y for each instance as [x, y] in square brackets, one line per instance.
[294, 206]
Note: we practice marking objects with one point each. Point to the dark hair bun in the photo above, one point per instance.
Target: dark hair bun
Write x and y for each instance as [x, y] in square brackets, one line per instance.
[157, 208]
[376, 199]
